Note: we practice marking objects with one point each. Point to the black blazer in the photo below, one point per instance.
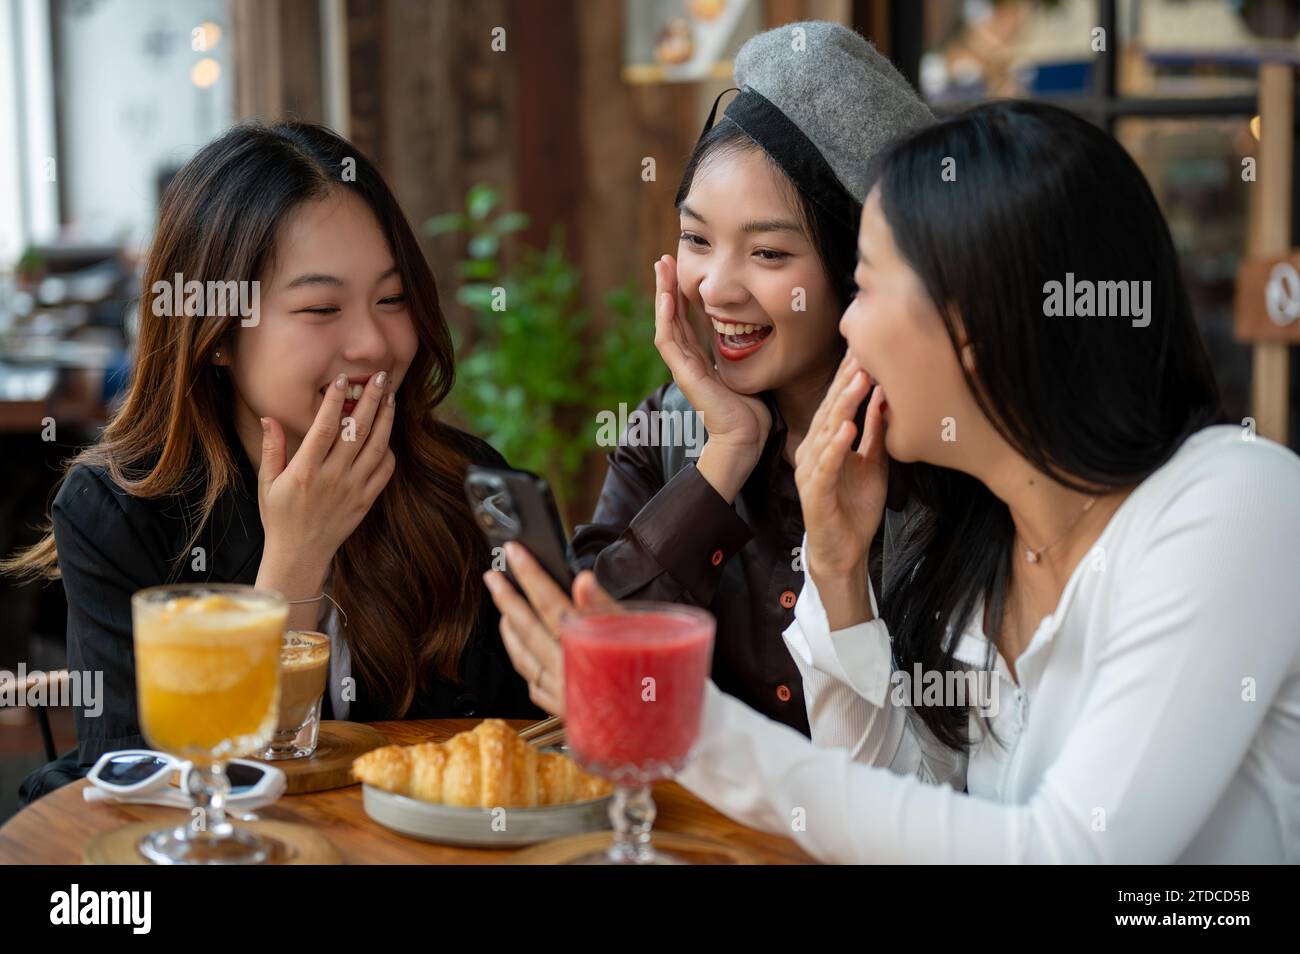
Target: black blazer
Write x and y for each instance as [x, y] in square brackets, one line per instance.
[112, 544]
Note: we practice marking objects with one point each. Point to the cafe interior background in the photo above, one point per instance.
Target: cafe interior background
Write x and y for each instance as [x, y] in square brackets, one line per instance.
[526, 167]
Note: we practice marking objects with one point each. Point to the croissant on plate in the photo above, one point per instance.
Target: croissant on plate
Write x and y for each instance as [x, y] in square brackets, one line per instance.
[488, 766]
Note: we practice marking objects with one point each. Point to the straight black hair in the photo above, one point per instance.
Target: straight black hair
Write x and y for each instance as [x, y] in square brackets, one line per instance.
[988, 207]
[835, 243]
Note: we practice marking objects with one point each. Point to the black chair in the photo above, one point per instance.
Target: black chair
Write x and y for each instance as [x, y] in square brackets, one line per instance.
[52, 685]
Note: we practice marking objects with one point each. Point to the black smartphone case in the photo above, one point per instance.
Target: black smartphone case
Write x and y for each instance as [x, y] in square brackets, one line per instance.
[522, 510]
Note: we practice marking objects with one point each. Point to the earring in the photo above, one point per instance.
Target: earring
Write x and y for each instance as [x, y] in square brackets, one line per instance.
[216, 354]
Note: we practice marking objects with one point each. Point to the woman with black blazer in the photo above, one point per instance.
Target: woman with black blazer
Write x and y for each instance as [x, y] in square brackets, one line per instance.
[280, 430]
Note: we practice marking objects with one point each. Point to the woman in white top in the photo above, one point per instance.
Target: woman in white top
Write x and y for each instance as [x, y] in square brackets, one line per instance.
[1117, 578]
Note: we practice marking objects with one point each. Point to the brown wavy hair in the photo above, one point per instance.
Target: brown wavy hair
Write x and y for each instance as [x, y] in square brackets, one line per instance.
[406, 577]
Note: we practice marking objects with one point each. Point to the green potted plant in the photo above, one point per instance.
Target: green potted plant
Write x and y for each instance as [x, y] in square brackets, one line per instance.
[30, 268]
[535, 372]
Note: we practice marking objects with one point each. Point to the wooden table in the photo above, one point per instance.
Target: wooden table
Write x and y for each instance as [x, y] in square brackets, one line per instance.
[55, 829]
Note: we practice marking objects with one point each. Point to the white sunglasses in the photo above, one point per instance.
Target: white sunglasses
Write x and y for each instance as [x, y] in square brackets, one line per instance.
[143, 776]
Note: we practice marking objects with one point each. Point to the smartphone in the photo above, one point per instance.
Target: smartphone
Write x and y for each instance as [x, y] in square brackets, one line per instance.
[518, 505]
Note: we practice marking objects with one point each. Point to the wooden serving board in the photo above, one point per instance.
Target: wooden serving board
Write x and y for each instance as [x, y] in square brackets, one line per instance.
[330, 766]
[295, 844]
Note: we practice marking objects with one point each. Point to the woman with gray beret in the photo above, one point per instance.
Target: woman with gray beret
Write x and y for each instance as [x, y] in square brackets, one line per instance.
[769, 205]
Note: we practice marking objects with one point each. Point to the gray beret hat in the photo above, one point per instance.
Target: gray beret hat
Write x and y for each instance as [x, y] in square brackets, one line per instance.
[816, 94]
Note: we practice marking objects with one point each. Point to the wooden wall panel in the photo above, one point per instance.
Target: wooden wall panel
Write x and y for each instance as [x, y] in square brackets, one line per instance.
[432, 105]
[277, 59]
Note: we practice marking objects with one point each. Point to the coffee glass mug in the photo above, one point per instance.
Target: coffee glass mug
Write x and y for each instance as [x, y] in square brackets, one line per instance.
[304, 671]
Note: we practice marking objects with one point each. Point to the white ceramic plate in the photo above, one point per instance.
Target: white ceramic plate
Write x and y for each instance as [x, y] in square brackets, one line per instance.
[482, 827]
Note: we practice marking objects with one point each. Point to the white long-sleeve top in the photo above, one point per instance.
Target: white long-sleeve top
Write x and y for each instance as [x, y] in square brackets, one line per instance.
[1157, 716]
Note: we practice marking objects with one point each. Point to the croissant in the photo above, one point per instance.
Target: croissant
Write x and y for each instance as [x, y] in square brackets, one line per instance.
[488, 766]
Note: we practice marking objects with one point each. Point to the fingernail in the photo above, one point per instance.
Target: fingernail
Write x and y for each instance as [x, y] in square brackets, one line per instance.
[341, 381]
[381, 379]
[265, 427]
[512, 550]
[392, 398]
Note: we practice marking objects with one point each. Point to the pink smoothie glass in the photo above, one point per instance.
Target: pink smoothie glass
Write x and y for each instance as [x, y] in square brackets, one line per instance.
[634, 679]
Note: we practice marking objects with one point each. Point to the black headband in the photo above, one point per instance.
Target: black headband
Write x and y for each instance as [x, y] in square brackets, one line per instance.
[793, 151]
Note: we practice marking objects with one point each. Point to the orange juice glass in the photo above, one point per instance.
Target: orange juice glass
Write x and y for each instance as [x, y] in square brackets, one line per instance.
[207, 663]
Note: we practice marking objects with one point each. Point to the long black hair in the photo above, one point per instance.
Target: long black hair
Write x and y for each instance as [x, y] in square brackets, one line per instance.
[988, 207]
[834, 242]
